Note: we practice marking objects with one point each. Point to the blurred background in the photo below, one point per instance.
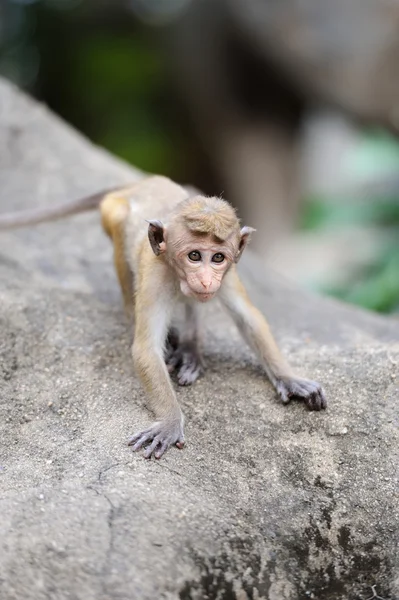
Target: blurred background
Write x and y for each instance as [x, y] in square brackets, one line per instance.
[287, 108]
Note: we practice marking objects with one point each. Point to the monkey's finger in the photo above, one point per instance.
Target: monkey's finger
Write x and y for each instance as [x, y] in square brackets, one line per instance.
[180, 442]
[321, 400]
[311, 401]
[162, 449]
[316, 400]
[134, 438]
[138, 445]
[155, 443]
[284, 395]
[139, 439]
[283, 392]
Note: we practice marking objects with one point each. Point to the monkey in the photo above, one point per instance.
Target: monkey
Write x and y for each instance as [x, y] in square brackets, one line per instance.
[176, 250]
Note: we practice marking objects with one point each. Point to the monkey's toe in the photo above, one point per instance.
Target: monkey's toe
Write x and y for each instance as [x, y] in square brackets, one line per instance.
[173, 360]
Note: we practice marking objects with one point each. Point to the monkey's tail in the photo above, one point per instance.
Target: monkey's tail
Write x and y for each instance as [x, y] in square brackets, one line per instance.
[51, 213]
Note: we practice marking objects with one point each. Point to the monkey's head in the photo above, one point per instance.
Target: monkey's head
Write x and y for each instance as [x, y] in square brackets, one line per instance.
[201, 241]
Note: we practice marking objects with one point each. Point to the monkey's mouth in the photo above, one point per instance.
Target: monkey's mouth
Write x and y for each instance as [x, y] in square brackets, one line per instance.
[199, 296]
[204, 296]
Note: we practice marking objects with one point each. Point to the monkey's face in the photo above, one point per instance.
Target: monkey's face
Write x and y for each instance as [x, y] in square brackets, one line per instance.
[201, 265]
[200, 260]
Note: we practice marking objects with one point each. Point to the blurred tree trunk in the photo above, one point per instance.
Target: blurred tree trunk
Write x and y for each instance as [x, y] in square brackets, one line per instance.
[246, 116]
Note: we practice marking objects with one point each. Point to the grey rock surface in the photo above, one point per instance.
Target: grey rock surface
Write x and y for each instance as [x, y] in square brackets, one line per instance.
[265, 501]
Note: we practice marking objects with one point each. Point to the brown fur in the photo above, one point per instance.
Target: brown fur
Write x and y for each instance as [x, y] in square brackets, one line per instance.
[212, 216]
[114, 210]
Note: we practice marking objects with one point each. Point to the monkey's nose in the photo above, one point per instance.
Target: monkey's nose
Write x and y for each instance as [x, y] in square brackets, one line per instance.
[205, 284]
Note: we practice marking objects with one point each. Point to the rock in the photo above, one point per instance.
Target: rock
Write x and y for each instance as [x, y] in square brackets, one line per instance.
[265, 501]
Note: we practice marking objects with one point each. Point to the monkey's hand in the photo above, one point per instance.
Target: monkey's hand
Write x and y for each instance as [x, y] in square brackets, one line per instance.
[309, 391]
[160, 436]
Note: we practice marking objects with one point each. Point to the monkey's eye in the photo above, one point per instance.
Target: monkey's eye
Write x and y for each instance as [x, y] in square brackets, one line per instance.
[194, 256]
[218, 257]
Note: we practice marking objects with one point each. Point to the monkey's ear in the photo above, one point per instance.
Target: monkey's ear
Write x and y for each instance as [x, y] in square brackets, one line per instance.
[245, 236]
[156, 235]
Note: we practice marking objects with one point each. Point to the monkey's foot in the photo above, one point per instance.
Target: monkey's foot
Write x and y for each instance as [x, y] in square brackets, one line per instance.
[190, 367]
[159, 437]
[309, 391]
[183, 358]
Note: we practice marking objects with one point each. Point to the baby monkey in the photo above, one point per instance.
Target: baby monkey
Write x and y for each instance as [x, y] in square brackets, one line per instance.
[171, 250]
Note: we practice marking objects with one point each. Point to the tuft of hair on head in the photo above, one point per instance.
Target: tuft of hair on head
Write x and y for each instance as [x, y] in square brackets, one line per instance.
[212, 216]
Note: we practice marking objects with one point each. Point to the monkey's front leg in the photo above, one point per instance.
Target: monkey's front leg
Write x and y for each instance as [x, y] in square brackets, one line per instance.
[168, 429]
[150, 333]
[256, 332]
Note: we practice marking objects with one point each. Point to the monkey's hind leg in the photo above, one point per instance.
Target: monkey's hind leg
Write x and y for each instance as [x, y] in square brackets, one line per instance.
[183, 357]
[172, 353]
[114, 212]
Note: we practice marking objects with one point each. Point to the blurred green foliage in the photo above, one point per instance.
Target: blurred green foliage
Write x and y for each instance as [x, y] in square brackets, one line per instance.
[340, 212]
[376, 285]
[377, 288]
[100, 69]
[122, 89]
